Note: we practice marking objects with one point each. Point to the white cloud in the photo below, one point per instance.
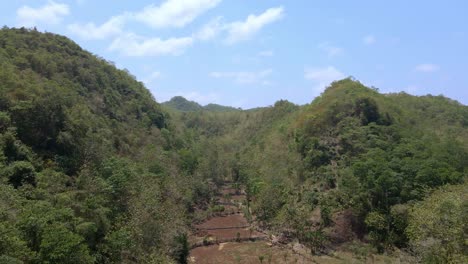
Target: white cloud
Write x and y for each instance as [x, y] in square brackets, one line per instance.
[51, 13]
[174, 13]
[137, 46]
[244, 30]
[266, 53]
[322, 77]
[171, 13]
[427, 67]
[152, 77]
[90, 31]
[210, 30]
[245, 77]
[331, 50]
[369, 40]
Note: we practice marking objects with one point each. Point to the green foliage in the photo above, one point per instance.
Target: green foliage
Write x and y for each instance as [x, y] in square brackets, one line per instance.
[189, 160]
[219, 108]
[88, 160]
[12, 248]
[367, 110]
[179, 103]
[21, 172]
[437, 226]
[325, 214]
[352, 148]
[117, 244]
[182, 104]
[59, 245]
[217, 209]
[93, 170]
[314, 153]
[182, 250]
[378, 226]
[5, 121]
[399, 221]
[315, 240]
[268, 203]
[63, 101]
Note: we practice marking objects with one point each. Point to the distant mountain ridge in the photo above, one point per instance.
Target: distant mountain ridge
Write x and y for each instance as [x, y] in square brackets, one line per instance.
[182, 104]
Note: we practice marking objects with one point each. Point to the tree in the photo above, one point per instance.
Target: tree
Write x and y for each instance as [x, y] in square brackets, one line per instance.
[378, 226]
[12, 247]
[21, 172]
[60, 245]
[437, 226]
[182, 250]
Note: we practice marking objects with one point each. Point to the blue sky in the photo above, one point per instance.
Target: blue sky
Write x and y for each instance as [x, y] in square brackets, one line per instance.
[253, 53]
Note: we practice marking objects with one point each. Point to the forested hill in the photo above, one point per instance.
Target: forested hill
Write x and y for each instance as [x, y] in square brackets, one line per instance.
[85, 156]
[93, 170]
[60, 98]
[354, 168]
[179, 103]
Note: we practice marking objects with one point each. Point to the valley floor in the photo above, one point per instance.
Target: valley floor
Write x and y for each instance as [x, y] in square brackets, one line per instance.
[229, 238]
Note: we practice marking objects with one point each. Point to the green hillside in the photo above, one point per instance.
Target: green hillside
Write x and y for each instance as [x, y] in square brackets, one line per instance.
[179, 103]
[93, 170]
[85, 156]
[348, 167]
[219, 108]
[182, 104]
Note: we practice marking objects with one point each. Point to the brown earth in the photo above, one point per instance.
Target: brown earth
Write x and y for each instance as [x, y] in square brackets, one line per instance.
[228, 191]
[234, 220]
[247, 253]
[223, 234]
[250, 253]
[227, 227]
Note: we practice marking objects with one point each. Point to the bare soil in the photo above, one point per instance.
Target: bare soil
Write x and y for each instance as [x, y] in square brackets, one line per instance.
[244, 233]
[227, 227]
[228, 191]
[250, 253]
[247, 252]
[234, 220]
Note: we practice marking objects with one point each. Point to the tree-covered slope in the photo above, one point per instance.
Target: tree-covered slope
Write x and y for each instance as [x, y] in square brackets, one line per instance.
[52, 90]
[89, 171]
[359, 159]
[182, 104]
[347, 167]
[93, 170]
[219, 108]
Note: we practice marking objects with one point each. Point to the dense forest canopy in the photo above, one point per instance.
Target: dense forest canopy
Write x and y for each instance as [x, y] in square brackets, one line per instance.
[93, 170]
[84, 147]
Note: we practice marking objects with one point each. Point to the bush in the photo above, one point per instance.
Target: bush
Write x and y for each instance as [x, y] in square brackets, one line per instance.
[437, 226]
